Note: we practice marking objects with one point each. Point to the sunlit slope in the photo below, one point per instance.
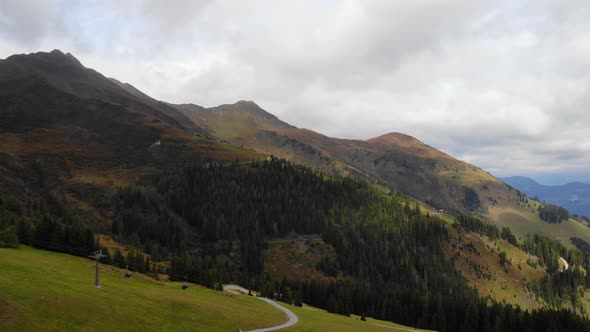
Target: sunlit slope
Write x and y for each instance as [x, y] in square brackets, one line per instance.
[247, 125]
[526, 222]
[476, 257]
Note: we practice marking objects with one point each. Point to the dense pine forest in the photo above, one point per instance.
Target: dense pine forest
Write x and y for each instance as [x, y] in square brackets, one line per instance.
[211, 223]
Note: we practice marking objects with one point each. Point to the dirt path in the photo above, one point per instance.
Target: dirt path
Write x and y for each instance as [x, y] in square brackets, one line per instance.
[292, 319]
[565, 264]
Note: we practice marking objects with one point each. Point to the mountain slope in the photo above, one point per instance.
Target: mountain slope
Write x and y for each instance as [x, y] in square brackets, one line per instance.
[31, 301]
[573, 196]
[74, 151]
[66, 73]
[394, 159]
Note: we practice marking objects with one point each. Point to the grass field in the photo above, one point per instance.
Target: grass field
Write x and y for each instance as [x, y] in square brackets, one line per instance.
[313, 319]
[47, 291]
[523, 222]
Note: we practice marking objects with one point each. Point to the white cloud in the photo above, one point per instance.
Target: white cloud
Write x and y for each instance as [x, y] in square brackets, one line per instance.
[502, 84]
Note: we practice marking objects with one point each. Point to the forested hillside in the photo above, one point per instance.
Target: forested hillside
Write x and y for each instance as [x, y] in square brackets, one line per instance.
[388, 251]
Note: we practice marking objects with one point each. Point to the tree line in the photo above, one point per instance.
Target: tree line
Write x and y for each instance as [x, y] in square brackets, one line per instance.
[553, 214]
[32, 223]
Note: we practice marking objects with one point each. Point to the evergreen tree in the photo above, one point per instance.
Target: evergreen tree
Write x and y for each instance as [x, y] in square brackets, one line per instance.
[118, 259]
[9, 237]
[332, 305]
[502, 256]
[25, 232]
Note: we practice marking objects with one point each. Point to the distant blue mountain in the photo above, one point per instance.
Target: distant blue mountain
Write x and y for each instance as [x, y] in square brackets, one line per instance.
[573, 196]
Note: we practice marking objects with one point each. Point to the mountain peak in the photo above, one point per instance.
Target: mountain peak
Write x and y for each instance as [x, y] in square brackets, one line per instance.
[247, 102]
[66, 58]
[55, 57]
[407, 143]
[394, 137]
[253, 108]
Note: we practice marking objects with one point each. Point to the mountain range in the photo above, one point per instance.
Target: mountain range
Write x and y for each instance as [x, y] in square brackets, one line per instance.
[80, 128]
[574, 196]
[395, 160]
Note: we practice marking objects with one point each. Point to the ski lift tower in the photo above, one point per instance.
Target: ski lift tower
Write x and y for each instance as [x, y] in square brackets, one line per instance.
[97, 255]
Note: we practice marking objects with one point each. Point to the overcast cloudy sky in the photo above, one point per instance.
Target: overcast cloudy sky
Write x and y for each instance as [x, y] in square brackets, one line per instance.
[502, 84]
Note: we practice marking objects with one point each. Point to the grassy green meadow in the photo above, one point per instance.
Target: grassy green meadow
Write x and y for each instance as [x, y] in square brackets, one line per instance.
[46, 291]
[523, 222]
[314, 319]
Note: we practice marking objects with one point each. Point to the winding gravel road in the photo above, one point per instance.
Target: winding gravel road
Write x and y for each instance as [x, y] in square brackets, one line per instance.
[292, 319]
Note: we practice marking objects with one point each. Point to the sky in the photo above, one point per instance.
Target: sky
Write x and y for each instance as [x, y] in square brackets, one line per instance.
[502, 84]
